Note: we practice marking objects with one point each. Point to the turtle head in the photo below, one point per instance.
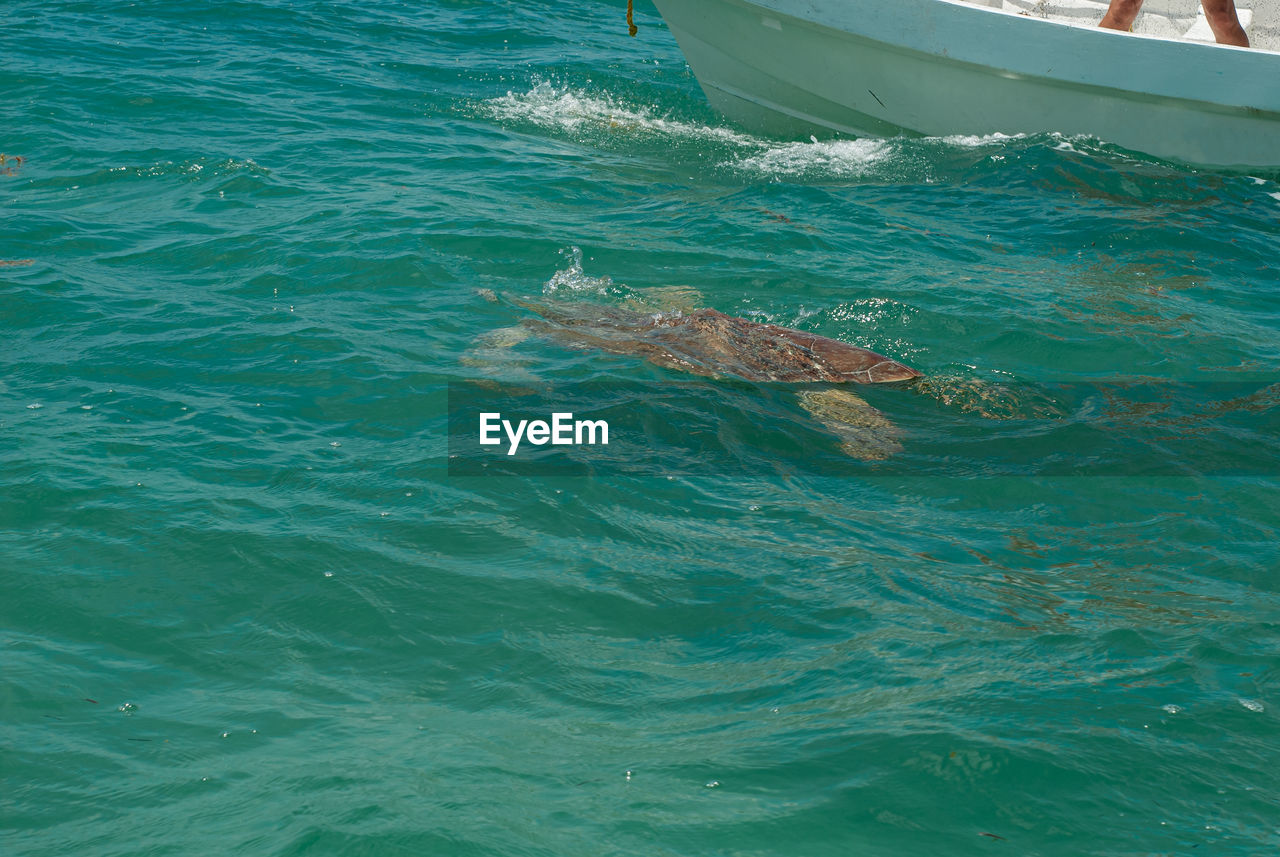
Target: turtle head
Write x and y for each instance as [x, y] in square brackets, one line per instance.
[851, 363]
[889, 372]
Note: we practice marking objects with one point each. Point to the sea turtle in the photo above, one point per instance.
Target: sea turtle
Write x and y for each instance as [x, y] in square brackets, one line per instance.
[668, 328]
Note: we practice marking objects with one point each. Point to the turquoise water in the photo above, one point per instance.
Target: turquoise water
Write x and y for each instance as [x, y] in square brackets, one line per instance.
[248, 610]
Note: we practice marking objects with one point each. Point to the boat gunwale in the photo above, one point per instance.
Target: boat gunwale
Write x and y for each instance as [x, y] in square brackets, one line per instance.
[1215, 107]
[1142, 53]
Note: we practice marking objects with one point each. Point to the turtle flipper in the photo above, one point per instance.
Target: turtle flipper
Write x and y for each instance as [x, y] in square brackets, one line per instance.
[864, 432]
[684, 299]
[494, 355]
[992, 400]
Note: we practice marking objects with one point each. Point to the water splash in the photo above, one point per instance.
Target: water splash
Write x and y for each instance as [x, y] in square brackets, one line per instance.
[574, 281]
[601, 119]
[563, 109]
[832, 158]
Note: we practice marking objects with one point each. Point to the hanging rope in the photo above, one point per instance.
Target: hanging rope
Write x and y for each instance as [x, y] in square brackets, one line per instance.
[631, 22]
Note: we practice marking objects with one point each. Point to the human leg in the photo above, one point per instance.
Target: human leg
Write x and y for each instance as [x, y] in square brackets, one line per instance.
[1120, 14]
[1224, 22]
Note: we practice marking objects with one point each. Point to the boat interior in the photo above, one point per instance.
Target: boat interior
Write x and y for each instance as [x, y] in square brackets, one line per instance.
[1166, 19]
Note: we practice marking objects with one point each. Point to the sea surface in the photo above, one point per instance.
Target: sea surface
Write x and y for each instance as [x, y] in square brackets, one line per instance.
[261, 595]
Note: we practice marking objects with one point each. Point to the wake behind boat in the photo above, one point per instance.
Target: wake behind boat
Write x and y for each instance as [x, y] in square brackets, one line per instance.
[942, 67]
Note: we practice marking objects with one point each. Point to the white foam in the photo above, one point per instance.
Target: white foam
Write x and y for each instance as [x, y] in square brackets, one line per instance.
[599, 116]
[578, 113]
[834, 158]
[552, 107]
[974, 141]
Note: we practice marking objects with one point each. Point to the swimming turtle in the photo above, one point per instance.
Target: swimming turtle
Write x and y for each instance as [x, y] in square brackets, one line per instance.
[669, 328]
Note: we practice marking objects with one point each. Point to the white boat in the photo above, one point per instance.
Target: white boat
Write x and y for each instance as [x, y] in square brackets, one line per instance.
[977, 67]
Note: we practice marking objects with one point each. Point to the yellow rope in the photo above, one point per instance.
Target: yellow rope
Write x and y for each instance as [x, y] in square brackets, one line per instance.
[631, 23]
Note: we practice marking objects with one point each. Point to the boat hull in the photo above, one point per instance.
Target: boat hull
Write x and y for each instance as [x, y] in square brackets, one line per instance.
[933, 67]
